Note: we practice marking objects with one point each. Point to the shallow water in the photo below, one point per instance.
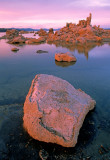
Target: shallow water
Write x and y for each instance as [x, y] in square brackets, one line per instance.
[91, 73]
[2, 34]
[30, 35]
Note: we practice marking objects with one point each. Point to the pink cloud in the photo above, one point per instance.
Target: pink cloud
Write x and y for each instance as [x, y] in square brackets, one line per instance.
[49, 13]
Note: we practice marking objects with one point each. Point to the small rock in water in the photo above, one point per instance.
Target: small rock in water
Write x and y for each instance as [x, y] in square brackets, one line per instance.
[54, 110]
[41, 51]
[65, 57]
[14, 49]
[43, 154]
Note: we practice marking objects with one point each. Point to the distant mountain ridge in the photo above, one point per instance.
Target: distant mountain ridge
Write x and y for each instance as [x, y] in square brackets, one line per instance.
[107, 28]
[25, 29]
[30, 29]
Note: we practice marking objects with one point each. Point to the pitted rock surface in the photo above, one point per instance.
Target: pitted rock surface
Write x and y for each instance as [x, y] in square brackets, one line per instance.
[54, 110]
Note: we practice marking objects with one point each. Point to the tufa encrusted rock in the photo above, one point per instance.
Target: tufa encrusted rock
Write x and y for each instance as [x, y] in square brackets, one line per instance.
[54, 110]
[65, 57]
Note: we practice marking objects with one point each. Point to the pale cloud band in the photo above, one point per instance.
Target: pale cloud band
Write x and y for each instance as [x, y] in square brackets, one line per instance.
[90, 3]
[48, 13]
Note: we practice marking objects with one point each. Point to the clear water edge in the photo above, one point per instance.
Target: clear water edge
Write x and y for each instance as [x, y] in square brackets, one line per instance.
[92, 75]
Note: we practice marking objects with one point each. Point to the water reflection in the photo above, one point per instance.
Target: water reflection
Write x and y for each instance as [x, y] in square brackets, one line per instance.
[64, 64]
[92, 76]
[14, 51]
[2, 34]
[81, 48]
[30, 35]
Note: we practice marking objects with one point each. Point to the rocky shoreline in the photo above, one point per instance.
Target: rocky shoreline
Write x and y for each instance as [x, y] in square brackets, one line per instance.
[54, 110]
[81, 33]
[75, 34]
[17, 144]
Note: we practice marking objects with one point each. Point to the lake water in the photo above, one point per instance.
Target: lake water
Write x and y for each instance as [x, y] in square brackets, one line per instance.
[91, 73]
[31, 35]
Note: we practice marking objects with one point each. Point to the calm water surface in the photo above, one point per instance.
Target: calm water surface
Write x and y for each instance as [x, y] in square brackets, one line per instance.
[31, 35]
[91, 73]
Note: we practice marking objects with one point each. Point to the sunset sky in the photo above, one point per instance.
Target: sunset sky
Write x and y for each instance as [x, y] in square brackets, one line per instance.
[52, 13]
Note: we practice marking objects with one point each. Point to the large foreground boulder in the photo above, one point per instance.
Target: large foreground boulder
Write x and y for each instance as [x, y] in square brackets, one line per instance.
[54, 110]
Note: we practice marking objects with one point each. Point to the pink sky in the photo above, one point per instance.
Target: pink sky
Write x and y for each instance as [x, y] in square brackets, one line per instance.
[48, 13]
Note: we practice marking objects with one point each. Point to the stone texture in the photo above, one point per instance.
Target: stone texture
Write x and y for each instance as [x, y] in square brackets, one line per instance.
[12, 33]
[17, 40]
[65, 57]
[43, 154]
[14, 49]
[85, 23]
[51, 30]
[54, 110]
[80, 33]
[23, 32]
[34, 40]
[42, 32]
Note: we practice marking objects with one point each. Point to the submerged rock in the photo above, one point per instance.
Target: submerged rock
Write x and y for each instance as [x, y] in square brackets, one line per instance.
[41, 51]
[54, 110]
[43, 154]
[65, 57]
